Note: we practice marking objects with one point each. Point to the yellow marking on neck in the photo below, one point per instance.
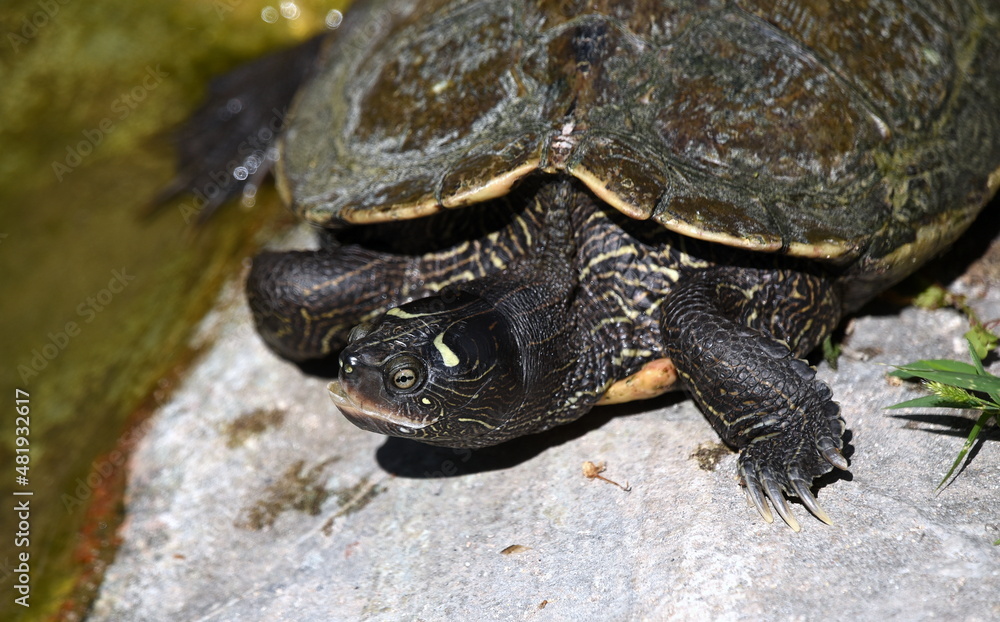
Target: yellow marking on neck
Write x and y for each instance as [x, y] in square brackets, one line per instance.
[463, 277]
[670, 273]
[497, 263]
[618, 319]
[601, 258]
[449, 357]
[630, 353]
[397, 312]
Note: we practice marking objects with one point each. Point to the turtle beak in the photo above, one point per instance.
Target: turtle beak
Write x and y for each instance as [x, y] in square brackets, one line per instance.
[367, 417]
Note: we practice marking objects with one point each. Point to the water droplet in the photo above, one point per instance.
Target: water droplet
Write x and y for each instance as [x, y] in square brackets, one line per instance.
[333, 19]
[241, 173]
[290, 10]
[252, 163]
[269, 14]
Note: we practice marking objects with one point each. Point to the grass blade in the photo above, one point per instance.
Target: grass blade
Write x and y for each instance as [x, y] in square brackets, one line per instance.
[972, 382]
[969, 442]
[935, 365]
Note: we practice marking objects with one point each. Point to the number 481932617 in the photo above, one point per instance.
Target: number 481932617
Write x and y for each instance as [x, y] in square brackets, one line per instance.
[21, 431]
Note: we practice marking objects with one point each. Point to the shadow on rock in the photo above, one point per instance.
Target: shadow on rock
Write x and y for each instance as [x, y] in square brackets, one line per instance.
[971, 247]
[327, 368]
[949, 425]
[408, 458]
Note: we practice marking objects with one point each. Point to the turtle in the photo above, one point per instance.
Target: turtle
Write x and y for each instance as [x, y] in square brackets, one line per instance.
[529, 209]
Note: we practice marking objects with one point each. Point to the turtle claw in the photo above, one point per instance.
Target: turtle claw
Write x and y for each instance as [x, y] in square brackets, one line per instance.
[766, 488]
[766, 484]
[832, 455]
[802, 491]
[755, 494]
[773, 491]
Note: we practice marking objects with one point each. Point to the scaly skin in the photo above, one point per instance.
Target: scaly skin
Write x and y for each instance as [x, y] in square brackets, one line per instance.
[736, 336]
[791, 128]
[527, 325]
[305, 303]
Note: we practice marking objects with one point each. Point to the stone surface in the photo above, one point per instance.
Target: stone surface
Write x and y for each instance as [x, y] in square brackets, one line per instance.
[252, 499]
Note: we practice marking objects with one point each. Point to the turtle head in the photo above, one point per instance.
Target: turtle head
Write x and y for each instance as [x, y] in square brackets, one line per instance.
[445, 370]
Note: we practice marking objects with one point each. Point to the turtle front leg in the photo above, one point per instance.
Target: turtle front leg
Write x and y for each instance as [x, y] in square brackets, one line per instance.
[737, 336]
[305, 303]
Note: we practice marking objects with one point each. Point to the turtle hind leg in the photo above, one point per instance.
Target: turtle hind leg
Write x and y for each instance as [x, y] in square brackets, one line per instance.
[736, 336]
[305, 303]
[236, 126]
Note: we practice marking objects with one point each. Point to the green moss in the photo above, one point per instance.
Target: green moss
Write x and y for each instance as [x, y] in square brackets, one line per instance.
[90, 95]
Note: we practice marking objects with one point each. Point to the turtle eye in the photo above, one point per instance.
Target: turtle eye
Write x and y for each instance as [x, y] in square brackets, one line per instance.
[404, 378]
[404, 373]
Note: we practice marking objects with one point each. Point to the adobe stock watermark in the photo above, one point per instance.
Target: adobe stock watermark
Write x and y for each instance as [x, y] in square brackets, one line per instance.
[225, 7]
[32, 24]
[448, 467]
[105, 467]
[378, 23]
[87, 310]
[122, 106]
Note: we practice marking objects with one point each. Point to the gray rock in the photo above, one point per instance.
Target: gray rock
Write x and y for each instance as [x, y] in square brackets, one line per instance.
[251, 499]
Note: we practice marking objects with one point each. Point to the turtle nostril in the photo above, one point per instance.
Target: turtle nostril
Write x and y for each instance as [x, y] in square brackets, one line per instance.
[348, 363]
